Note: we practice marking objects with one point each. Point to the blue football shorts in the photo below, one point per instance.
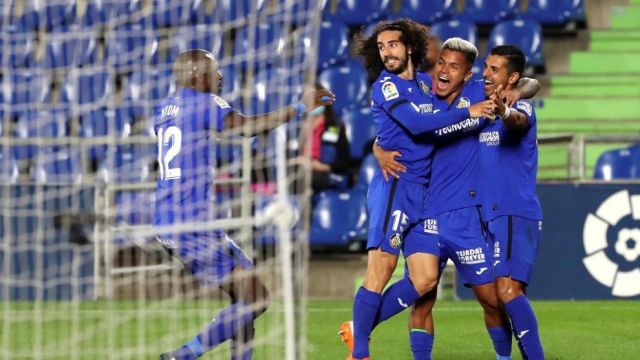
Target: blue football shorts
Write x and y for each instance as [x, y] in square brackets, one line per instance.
[397, 217]
[515, 243]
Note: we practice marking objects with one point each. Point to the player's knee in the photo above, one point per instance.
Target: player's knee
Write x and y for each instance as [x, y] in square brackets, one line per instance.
[424, 284]
[507, 291]
[378, 276]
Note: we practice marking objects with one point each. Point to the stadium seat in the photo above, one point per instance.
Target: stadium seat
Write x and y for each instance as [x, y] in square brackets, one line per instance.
[18, 49]
[558, 12]
[131, 46]
[333, 46]
[111, 11]
[210, 12]
[525, 34]
[25, 17]
[360, 129]
[336, 216]
[274, 88]
[150, 86]
[87, 87]
[488, 12]
[127, 164]
[348, 82]
[617, 164]
[207, 37]
[168, 13]
[455, 28]
[478, 68]
[72, 48]
[8, 167]
[60, 165]
[299, 11]
[365, 174]
[102, 123]
[361, 12]
[58, 13]
[32, 124]
[426, 12]
[231, 80]
[266, 45]
[27, 87]
[267, 233]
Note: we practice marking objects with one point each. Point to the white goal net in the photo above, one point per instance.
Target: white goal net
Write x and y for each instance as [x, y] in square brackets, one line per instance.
[81, 273]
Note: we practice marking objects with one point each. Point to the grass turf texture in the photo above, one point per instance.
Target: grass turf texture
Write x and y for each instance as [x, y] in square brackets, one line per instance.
[570, 330]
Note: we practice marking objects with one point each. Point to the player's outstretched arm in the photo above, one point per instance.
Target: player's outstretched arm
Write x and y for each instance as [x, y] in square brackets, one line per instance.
[512, 119]
[417, 122]
[526, 88]
[257, 124]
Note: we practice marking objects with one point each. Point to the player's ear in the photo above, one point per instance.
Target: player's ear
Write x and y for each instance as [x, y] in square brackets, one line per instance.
[468, 75]
[513, 78]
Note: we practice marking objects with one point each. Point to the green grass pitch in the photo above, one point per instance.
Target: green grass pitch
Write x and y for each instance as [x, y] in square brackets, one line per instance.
[115, 330]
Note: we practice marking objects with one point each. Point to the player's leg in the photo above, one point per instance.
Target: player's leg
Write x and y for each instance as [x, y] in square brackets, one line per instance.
[516, 244]
[421, 328]
[219, 262]
[462, 235]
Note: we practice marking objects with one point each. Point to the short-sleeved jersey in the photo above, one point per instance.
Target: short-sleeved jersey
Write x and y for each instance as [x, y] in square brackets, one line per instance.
[416, 151]
[184, 126]
[509, 164]
[456, 165]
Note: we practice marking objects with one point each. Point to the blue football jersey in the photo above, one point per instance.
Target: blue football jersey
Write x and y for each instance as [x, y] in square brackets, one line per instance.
[403, 113]
[509, 165]
[456, 165]
[184, 126]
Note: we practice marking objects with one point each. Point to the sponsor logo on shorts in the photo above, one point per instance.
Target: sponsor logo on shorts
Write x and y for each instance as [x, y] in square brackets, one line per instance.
[431, 226]
[496, 250]
[481, 271]
[471, 256]
[396, 240]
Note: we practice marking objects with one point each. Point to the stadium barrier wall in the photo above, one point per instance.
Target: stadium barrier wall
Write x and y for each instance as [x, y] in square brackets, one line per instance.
[590, 245]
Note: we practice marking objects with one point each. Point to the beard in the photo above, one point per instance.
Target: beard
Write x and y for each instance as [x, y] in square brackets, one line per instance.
[401, 67]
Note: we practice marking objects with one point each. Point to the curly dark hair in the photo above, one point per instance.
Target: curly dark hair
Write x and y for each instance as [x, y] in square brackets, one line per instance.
[414, 36]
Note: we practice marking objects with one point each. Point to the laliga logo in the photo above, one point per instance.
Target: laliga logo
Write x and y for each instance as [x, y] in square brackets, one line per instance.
[627, 244]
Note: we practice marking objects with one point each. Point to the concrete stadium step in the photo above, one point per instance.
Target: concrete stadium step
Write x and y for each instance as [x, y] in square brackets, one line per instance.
[615, 40]
[614, 35]
[589, 108]
[592, 80]
[549, 126]
[604, 62]
[626, 17]
[605, 89]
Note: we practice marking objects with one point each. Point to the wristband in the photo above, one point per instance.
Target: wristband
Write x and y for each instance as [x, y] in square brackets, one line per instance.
[300, 108]
[506, 113]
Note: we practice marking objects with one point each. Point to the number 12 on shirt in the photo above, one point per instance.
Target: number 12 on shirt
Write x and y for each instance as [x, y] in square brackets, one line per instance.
[172, 135]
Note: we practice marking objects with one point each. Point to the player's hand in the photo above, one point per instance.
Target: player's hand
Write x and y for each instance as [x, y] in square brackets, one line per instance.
[388, 163]
[497, 98]
[323, 97]
[509, 97]
[483, 109]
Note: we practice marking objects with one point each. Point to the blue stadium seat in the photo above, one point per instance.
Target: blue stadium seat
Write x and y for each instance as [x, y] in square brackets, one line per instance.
[360, 130]
[231, 80]
[168, 13]
[112, 11]
[557, 12]
[207, 37]
[210, 12]
[299, 11]
[488, 12]
[618, 164]
[52, 123]
[268, 235]
[18, 49]
[151, 85]
[336, 216]
[478, 68]
[73, 48]
[28, 87]
[426, 12]
[274, 88]
[58, 13]
[266, 46]
[348, 82]
[60, 165]
[87, 87]
[456, 28]
[365, 174]
[131, 46]
[333, 46]
[361, 12]
[8, 167]
[26, 19]
[525, 34]
[102, 123]
[127, 164]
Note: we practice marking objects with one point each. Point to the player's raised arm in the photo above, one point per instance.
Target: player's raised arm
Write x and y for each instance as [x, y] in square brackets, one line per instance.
[237, 122]
[417, 122]
[512, 118]
[525, 89]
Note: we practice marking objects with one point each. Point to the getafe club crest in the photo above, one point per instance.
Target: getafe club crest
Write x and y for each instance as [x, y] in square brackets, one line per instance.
[463, 103]
[396, 240]
[425, 87]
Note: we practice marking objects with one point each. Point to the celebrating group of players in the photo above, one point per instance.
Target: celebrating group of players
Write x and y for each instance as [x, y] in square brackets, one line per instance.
[457, 175]
[457, 179]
